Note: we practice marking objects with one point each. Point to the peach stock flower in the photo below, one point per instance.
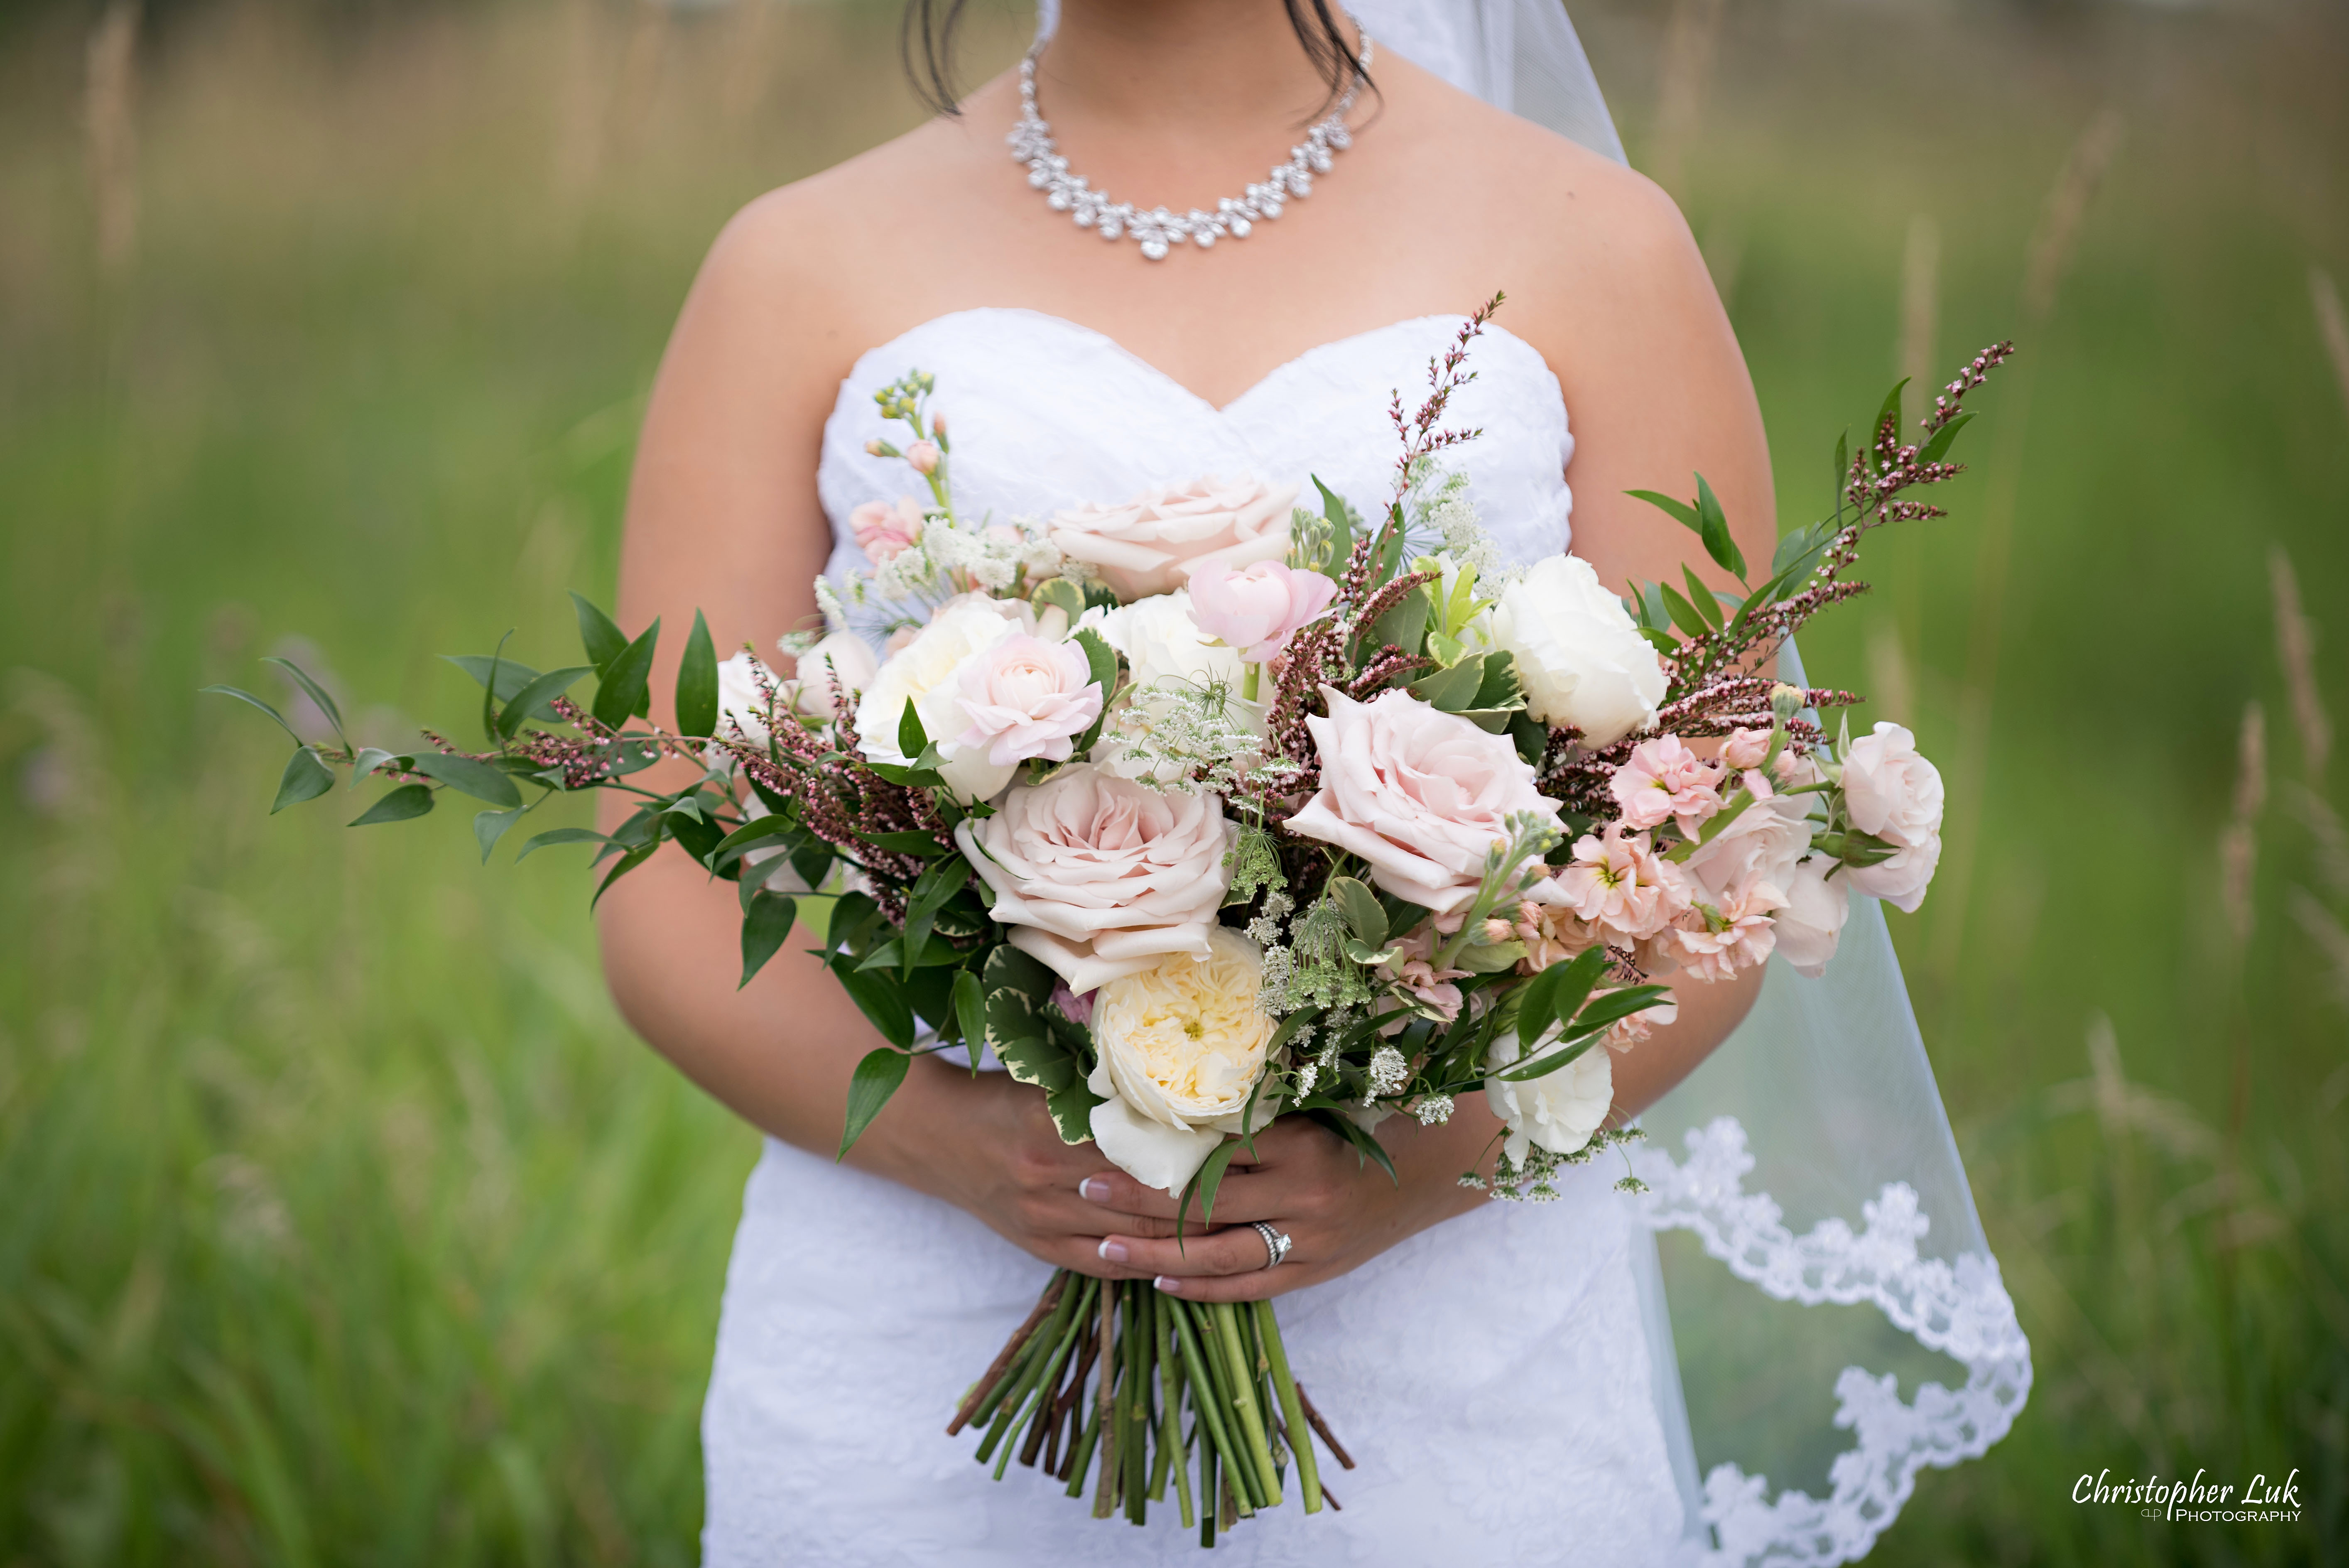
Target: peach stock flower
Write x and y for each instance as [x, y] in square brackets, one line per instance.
[1663, 781]
[1258, 608]
[1152, 543]
[1618, 883]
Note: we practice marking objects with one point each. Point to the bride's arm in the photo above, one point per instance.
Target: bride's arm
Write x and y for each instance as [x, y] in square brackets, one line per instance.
[722, 517]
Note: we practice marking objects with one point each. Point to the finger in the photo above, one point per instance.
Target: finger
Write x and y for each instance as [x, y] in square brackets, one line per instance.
[1261, 1285]
[1227, 1251]
[1254, 1193]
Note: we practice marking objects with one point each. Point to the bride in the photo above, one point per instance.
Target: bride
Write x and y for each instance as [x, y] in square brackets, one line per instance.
[1077, 364]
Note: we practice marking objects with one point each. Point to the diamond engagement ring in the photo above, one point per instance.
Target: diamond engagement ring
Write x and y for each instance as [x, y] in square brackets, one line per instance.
[1275, 1243]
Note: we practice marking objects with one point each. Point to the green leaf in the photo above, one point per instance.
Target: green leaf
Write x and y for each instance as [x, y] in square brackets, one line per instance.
[371, 758]
[1405, 627]
[246, 696]
[489, 690]
[1210, 1177]
[1843, 463]
[1366, 1144]
[1448, 691]
[1490, 958]
[970, 1014]
[882, 999]
[317, 694]
[912, 738]
[489, 827]
[598, 634]
[1100, 662]
[766, 926]
[510, 675]
[306, 779]
[1072, 1112]
[1653, 609]
[749, 835]
[553, 836]
[1701, 599]
[696, 682]
[469, 776]
[1556, 993]
[1683, 613]
[1364, 916]
[408, 801]
[1719, 542]
[1500, 687]
[1059, 592]
[534, 700]
[914, 842]
[1345, 522]
[1891, 410]
[876, 1078]
[940, 882]
[1557, 1057]
[624, 690]
[1937, 444]
[1663, 642]
[621, 868]
[1680, 511]
[1531, 735]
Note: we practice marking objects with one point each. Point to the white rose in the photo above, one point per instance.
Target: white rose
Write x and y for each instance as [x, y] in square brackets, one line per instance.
[1580, 657]
[1558, 1110]
[1098, 876]
[1760, 848]
[1893, 793]
[1152, 543]
[1164, 649]
[1182, 1044]
[928, 672]
[1811, 924]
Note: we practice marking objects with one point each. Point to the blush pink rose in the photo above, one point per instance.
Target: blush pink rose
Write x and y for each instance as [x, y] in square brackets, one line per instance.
[1818, 900]
[885, 531]
[1099, 877]
[1152, 543]
[1026, 697]
[1258, 608]
[1419, 794]
[1759, 848]
[1663, 781]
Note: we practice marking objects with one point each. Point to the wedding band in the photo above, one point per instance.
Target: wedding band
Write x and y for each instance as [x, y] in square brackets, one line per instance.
[1275, 1243]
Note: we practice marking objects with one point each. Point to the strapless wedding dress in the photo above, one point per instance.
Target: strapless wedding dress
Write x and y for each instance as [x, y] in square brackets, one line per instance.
[1492, 1376]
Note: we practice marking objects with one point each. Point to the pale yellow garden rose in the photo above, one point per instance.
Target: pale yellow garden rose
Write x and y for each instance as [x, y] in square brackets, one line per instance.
[1182, 1044]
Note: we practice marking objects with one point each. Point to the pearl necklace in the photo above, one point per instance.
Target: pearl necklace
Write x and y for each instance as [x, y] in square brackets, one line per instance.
[1156, 230]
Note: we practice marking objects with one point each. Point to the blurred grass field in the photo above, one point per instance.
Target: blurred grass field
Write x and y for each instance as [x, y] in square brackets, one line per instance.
[341, 1221]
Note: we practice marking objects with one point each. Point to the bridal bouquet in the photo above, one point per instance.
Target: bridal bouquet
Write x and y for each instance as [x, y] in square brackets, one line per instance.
[1197, 808]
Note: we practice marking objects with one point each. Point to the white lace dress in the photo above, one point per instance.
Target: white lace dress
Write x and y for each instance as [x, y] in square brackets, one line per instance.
[1492, 1376]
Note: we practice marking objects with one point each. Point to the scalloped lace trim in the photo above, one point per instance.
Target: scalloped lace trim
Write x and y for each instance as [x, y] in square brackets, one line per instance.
[1961, 1310]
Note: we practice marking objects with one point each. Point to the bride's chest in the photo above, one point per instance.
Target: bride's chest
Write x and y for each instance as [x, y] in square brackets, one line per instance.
[1044, 413]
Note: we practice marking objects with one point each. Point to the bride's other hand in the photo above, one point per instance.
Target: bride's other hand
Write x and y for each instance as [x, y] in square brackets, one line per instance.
[1338, 1210]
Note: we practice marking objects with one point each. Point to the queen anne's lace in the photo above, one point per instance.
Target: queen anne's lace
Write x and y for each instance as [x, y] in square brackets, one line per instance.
[1961, 1309]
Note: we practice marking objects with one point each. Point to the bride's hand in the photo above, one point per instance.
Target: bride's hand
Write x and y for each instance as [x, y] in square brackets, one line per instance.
[1014, 1173]
[1338, 1210]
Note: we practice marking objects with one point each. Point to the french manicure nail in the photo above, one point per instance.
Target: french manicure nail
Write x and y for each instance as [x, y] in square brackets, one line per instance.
[1112, 1250]
[1168, 1283]
[1094, 1188]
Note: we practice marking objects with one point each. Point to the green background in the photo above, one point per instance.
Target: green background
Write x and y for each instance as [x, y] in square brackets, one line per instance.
[341, 1221]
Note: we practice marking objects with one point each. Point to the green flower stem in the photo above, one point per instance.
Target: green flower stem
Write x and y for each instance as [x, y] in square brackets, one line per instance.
[1206, 1399]
[1134, 1432]
[1207, 1506]
[1292, 1408]
[1036, 1404]
[1105, 1412]
[1247, 682]
[1259, 1453]
[1084, 1453]
[1170, 1454]
[1004, 1401]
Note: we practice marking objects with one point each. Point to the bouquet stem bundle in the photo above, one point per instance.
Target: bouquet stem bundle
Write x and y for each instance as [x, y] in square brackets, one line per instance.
[1113, 1388]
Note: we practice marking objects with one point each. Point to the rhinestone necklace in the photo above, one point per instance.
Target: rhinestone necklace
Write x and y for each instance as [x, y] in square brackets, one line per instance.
[1157, 229]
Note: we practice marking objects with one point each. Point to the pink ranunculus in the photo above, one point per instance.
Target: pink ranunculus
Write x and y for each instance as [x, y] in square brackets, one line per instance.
[885, 531]
[1152, 543]
[1414, 970]
[1817, 901]
[1619, 884]
[924, 456]
[1715, 942]
[1761, 846]
[1745, 749]
[1099, 877]
[1893, 793]
[1026, 697]
[1663, 782]
[1258, 608]
[1419, 794]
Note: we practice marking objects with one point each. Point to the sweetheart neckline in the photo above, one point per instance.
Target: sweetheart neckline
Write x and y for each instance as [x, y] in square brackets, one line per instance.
[1223, 411]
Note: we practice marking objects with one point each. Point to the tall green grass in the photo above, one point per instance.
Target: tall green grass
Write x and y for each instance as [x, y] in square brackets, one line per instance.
[343, 1223]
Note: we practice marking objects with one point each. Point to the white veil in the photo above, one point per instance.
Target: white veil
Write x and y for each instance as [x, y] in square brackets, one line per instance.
[1810, 1153]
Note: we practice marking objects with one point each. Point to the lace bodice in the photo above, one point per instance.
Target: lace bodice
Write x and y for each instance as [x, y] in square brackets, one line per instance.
[1047, 414]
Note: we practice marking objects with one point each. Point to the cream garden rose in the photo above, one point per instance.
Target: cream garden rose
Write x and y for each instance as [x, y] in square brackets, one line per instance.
[1098, 876]
[928, 672]
[1153, 543]
[1182, 1044]
[1419, 794]
[1579, 656]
